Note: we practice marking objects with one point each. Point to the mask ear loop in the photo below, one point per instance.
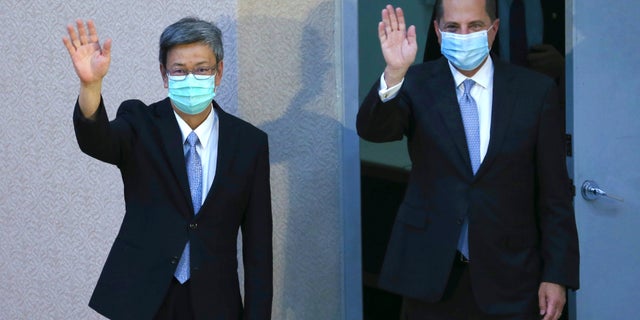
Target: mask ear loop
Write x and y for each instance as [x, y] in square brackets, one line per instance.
[215, 87]
[492, 25]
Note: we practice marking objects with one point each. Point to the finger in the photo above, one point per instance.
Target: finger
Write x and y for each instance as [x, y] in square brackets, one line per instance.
[552, 314]
[558, 306]
[106, 48]
[542, 303]
[554, 309]
[392, 18]
[68, 45]
[82, 32]
[381, 33]
[386, 20]
[93, 34]
[400, 15]
[73, 36]
[411, 35]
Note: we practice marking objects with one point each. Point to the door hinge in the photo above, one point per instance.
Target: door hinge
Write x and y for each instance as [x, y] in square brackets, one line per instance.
[569, 144]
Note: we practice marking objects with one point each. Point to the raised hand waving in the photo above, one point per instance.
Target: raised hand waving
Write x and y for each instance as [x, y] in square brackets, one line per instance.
[90, 60]
[398, 44]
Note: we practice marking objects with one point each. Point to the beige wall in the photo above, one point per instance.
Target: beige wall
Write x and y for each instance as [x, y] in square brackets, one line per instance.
[60, 210]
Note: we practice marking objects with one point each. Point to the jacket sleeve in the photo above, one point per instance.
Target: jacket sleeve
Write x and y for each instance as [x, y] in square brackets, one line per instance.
[101, 139]
[379, 121]
[257, 242]
[559, 238]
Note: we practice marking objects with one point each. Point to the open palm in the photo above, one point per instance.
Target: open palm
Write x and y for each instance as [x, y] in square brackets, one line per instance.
[398, 43]
[90, 60]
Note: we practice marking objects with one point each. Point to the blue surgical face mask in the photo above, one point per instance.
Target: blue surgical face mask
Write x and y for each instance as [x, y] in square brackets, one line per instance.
[192, 95]
[465, 51]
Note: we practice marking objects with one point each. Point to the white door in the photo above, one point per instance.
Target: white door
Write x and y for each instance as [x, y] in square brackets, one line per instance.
[603, 94]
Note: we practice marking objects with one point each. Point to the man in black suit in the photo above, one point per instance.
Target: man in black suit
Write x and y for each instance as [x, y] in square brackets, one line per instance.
[486, 229]
[193, 176]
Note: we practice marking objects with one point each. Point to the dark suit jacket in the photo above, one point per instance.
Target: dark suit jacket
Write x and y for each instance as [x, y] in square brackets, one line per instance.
[145, 143]
[553, 30]
[522, 227]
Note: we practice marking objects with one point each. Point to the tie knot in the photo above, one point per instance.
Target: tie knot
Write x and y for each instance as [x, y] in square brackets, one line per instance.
[468, 84]
[192, 139]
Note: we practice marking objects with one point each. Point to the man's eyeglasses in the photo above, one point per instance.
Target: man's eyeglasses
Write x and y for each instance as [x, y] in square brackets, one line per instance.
[200, 73]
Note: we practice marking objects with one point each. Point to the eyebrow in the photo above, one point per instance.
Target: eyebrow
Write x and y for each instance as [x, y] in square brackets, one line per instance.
[480, 22]
[454, 24]
[179, 64]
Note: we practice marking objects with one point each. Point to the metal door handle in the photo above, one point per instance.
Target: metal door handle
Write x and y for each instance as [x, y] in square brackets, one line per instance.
[591, 191]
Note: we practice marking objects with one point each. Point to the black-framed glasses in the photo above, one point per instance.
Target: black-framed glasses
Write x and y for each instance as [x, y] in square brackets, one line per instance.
[200, 73]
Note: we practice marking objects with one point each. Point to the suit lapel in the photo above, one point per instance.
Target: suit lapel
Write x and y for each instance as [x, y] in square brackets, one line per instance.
[501, 113]
[173, 147]
[447, 104]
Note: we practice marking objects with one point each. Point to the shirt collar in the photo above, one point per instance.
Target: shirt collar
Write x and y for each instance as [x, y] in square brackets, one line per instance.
[482, 77]
[203, 131]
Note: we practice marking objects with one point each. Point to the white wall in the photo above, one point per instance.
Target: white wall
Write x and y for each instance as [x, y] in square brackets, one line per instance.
[60, 210]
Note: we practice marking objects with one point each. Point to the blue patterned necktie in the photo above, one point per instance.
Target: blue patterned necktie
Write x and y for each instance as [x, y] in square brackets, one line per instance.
[194, 173]
[469, 111]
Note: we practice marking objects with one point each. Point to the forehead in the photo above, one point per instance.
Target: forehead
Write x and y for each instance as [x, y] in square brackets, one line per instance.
[464, 11]
[190, 54]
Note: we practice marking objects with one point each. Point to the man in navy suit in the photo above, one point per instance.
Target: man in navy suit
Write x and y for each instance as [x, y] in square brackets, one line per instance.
[486, 229]
[193, 176]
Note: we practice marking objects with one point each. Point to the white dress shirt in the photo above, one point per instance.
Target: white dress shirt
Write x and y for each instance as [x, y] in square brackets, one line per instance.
[207, 148]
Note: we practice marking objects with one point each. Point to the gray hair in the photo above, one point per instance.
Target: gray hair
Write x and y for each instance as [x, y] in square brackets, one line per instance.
[191, 30]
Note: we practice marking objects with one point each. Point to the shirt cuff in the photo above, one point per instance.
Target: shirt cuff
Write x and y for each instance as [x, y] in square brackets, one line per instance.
[387, 94]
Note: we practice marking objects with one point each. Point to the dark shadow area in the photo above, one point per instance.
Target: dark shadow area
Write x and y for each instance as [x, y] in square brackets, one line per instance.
[382, 190]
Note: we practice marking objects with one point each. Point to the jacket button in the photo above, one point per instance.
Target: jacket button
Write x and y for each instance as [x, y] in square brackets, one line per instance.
[193, 226]
[174, 260]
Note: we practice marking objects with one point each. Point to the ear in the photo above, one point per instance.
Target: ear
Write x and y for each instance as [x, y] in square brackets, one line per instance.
[494, 32]
[436, 27]
[220, 68]
[163, 72]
